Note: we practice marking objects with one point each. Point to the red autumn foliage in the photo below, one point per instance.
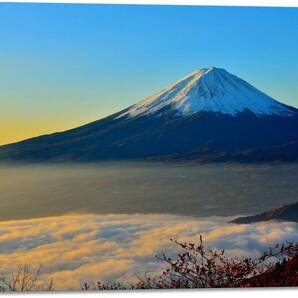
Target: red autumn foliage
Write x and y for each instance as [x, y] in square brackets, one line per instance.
[282, 274]
[199, 267]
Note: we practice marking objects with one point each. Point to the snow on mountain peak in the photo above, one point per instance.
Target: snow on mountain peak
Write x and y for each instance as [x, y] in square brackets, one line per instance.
[210, 90]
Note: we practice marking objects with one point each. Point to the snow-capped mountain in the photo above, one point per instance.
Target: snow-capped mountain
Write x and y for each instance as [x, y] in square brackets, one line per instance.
[210, 90]
[209, 115]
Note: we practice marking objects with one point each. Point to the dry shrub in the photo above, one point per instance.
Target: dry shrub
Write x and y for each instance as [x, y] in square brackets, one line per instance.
[199, 267]
[24, 279]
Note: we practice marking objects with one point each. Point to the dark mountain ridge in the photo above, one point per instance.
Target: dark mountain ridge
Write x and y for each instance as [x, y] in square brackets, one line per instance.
[286, 213]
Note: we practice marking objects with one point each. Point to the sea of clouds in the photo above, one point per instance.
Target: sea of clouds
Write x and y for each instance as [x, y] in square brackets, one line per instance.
[84, 248]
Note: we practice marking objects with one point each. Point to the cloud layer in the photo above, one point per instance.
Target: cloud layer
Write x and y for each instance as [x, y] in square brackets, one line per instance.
[79, 248]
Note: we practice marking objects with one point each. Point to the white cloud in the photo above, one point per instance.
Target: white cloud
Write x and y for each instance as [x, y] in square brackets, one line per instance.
[78, 248]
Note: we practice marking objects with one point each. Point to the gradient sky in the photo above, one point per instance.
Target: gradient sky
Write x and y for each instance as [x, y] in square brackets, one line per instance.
[64, 65]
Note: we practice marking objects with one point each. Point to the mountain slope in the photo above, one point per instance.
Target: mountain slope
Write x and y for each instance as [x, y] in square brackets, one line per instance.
[287, 213]
[210, 115]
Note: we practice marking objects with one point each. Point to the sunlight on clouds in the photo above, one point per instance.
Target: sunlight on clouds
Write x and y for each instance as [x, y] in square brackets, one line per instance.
[79, 248]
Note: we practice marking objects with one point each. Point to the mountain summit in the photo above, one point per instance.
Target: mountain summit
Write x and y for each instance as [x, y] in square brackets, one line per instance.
[210, 90]
[209, 115]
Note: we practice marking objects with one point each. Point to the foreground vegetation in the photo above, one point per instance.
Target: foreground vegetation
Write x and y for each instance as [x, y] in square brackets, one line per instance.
[25, 279]
[198, 267]
[195, 267]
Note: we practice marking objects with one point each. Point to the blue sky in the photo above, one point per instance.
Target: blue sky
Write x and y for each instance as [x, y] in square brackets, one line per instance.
[65, 65]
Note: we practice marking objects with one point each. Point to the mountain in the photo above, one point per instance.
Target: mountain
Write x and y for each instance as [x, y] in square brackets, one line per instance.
[209, 115]
[210, 90]
[287, 213]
